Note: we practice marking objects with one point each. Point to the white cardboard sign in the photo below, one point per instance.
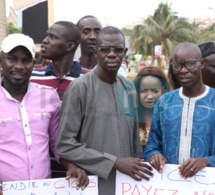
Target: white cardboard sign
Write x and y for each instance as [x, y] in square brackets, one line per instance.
[168, 183]
[59, 186]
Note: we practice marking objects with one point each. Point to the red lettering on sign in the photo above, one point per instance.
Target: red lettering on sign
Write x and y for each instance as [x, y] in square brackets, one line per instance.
[56, 183]
[125, 187]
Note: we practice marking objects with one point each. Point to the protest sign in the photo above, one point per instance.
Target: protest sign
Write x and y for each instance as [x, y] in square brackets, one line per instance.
[168, 183]
[59, 186]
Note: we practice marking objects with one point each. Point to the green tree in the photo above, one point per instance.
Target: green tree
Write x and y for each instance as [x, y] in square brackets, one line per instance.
[126, 31]
[206, 34]
[12, 29]
[163, 28]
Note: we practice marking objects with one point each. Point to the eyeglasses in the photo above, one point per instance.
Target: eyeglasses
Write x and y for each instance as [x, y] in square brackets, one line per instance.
[189, 65]
[107, 50]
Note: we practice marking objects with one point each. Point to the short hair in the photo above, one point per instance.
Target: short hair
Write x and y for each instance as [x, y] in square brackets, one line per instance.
[110, 30]
[185, 45]
[172, 79]
[87, 16]
[73, 33]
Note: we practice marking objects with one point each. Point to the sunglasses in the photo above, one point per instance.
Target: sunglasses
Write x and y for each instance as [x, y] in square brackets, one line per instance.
[106, 50]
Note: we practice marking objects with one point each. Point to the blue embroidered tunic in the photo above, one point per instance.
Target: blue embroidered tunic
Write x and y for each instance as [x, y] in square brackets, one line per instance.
[183, 127]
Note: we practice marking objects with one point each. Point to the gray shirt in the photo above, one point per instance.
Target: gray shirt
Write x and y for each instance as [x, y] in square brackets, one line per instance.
[98, 124]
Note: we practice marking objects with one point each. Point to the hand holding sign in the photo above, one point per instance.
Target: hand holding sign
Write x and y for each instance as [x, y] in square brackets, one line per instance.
[168, 182]
[192, 166]
[134, 167]
[74, 171]
[158, 161]
[59, 186]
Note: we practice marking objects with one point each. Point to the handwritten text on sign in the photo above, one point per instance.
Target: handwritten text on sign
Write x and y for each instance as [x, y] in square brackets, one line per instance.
[168, 183]
[59, 186]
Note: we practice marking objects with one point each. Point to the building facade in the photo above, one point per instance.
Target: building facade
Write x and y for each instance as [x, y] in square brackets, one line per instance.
[3, 30]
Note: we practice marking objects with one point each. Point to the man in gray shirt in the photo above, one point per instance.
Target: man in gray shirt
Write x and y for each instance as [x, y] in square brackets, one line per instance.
[98, 129]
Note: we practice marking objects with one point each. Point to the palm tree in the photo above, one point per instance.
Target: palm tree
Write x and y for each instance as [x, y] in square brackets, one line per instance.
[207, 34]
[163, 28]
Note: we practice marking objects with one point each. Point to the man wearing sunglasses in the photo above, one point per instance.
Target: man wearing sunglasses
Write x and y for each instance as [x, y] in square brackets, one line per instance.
[182, 130]
[98, 129]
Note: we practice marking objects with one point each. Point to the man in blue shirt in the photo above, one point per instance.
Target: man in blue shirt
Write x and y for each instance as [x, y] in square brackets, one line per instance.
[182, 129]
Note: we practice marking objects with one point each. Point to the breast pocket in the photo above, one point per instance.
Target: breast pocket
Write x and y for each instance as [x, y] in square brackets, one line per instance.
[5, 121]
[41, 117]
[7, 129]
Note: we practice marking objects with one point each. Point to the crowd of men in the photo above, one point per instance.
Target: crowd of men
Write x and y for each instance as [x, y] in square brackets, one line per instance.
[84, 112]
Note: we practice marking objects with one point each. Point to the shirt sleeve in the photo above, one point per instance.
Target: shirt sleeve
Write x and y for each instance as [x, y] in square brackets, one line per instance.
[53, 124]
[70, 145]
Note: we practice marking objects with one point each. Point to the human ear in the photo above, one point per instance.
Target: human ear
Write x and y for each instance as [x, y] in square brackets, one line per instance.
[202, 61]
[70, 46]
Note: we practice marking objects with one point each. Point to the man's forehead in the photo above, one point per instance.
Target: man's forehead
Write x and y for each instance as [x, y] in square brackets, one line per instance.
[56, 28]
[185, 53]
[90, 23]
[106, 38]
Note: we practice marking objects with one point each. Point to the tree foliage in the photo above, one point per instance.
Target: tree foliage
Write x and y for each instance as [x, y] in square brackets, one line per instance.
[12, 29]
[163, 28]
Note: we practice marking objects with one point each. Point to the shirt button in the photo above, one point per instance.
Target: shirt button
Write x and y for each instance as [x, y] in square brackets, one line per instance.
[32, 166]
[26, 125]
[29, 147]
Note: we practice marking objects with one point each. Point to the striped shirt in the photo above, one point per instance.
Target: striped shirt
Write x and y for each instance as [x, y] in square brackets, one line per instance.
[47, 76]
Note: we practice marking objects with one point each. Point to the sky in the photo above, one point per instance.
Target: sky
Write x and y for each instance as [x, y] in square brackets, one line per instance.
[122, 12]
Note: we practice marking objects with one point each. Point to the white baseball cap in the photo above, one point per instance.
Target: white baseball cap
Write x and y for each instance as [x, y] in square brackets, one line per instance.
[17, 39]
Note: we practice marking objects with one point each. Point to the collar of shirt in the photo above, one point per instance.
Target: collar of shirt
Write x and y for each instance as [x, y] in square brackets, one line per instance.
[7, 94]
[74, 72]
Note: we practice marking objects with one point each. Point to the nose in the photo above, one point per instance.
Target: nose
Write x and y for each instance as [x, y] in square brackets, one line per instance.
[111, 53]
[183, 69]
[19, 64]
[149, 96]
[45, 40]
[93, 35]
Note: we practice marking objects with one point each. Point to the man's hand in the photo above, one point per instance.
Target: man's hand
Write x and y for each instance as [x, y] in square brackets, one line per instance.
[192, 166]
[75, 171]
[134, 167]
[158, 161]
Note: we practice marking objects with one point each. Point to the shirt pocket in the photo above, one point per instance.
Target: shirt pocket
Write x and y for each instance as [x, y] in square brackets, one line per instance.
[41, 120]
[5, 121]
[7, 129]
[43, 115]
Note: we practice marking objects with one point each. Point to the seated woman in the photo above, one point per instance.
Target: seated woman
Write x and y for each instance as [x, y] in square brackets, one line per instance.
[150, 84]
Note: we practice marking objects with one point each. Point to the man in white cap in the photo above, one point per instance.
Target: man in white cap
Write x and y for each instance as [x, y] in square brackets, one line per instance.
[28, 118]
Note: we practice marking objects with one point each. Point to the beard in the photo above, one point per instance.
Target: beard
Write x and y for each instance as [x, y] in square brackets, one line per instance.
[88, 51]
[17, 85]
